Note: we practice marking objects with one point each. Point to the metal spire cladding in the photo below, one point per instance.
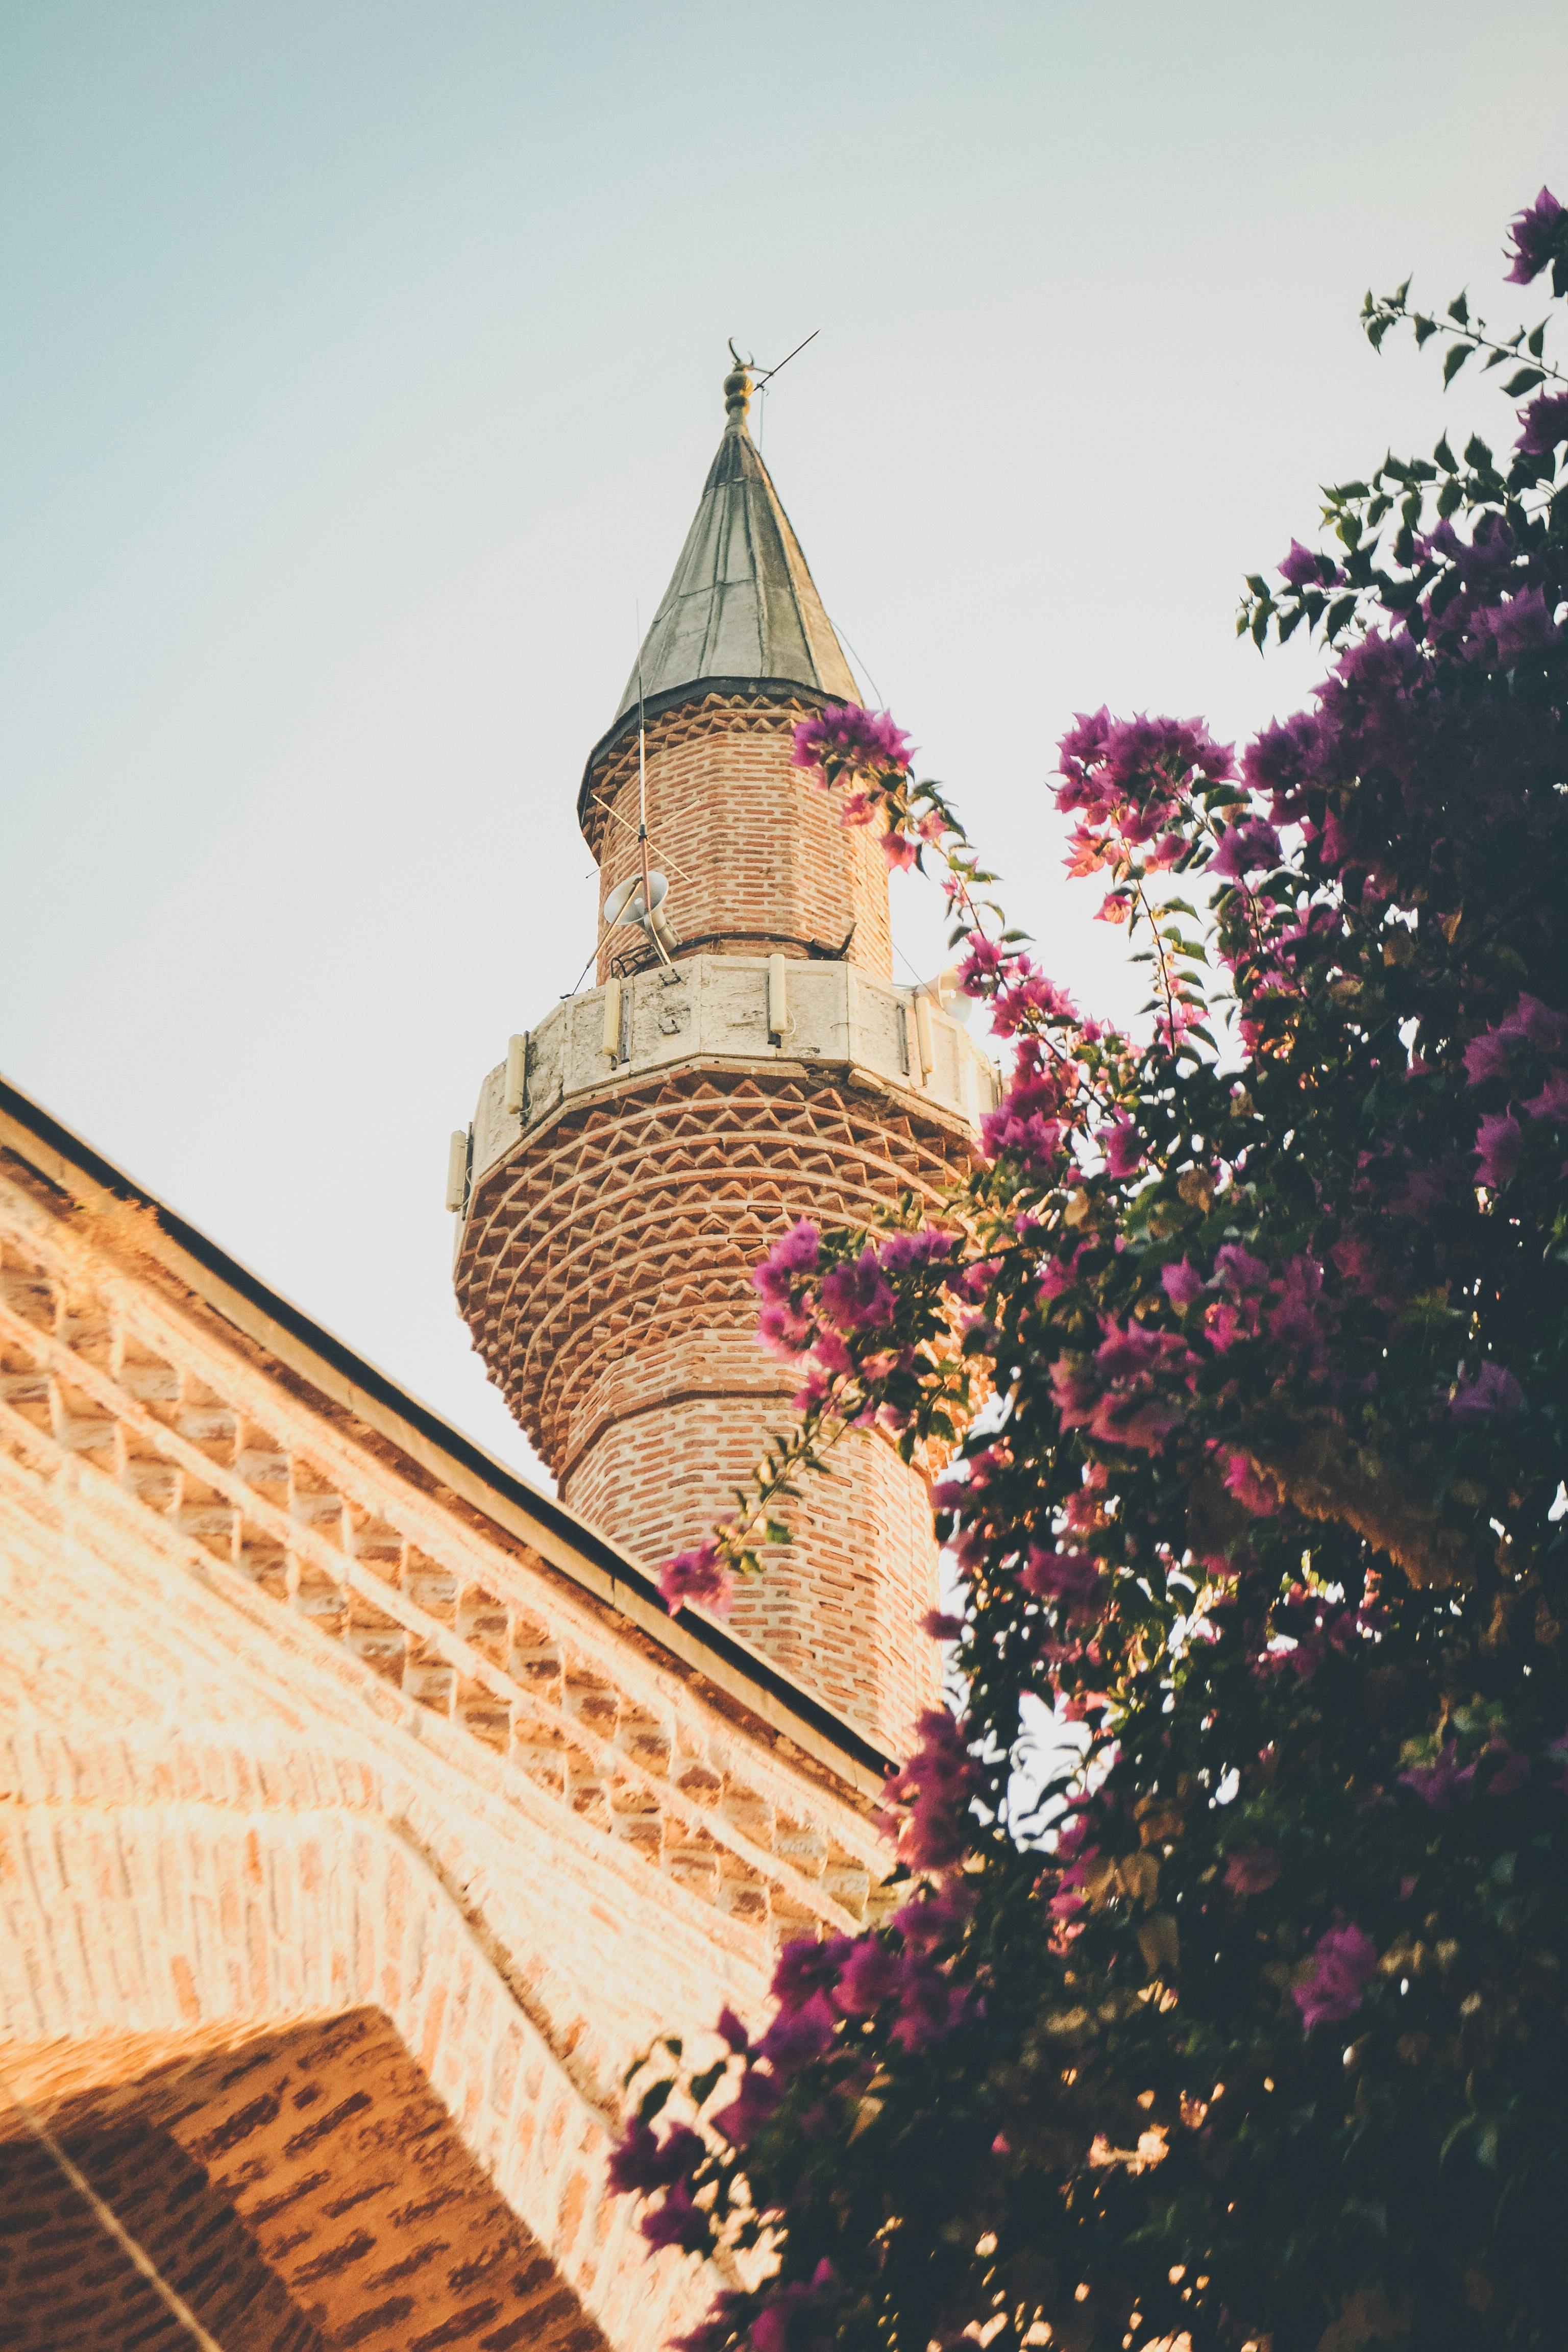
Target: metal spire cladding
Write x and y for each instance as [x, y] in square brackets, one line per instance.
[741, 605]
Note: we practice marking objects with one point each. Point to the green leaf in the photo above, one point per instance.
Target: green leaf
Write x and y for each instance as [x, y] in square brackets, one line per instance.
[1460, 309]
[1445, 456]
[1455, 362]
[1424, 329]
[775, 1532]
[653, 2101]
[1537, 343]
[1476, 452]
[1525, 381]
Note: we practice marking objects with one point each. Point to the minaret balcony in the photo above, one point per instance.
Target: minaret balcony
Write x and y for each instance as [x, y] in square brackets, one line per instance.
[736, 1013]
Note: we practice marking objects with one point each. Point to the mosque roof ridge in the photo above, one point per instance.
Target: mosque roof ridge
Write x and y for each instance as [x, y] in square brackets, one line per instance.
[741, 602]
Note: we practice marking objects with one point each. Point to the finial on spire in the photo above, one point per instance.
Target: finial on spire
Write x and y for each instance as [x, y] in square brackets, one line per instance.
[737, 389]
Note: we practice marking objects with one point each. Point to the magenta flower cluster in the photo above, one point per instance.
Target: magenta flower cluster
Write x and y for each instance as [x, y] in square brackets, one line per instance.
[1343, 1965]
[843, 737]
[1539, 239]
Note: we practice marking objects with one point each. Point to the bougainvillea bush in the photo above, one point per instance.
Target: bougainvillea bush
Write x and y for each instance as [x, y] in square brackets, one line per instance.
[1244, 2018]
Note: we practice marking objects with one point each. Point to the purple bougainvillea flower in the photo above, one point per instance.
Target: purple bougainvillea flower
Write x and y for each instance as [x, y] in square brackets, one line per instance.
[642, 2162]
[677, 2223]
[754, 2104]
[1239, 1269]
[1300, 568]
[1538, 237]
[869, 1978]
[1493, 1390]
[844, 735]
[1545, 423]
[1552, 1102]
[1342, 1965]
[1498, 1142]
[1521, 625]
[804, 1968]
[1440, 1784]
[1243, 849]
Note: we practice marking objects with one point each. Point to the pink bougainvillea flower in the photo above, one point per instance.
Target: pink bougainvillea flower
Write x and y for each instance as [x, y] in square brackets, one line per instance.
[1442, 1784]
[1244, 1480]
[1239, 1269]
[1511, 1771]
[857, 1293]
[676, 2222]
[928, 1800]
[1122, 1146]
[697, 1575]
[1182, 1285]
[1343, 1965]
[1497, 1141]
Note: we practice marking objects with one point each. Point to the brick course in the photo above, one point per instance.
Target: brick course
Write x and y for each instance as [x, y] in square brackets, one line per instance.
[754, 853]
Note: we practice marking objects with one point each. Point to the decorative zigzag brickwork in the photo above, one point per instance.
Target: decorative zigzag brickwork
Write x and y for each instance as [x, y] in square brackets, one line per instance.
[605, 1273]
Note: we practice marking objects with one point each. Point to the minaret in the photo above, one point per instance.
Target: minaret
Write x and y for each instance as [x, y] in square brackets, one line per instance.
[640, 1150]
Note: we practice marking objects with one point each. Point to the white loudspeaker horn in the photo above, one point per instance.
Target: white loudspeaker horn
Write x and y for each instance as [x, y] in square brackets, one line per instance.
[945, 993]
[625, 903]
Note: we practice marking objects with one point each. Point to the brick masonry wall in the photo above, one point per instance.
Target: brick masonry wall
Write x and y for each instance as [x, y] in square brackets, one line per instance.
[754, 853]
[606, 1270]
[301, 2187]
[840, 1609]
[288, 1730]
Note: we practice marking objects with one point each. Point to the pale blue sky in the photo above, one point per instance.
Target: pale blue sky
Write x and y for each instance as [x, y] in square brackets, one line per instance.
[359, 367]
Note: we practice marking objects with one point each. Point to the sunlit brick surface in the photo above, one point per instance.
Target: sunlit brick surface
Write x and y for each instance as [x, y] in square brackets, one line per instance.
[299, 2189]
[754, 851]
[291, 1730]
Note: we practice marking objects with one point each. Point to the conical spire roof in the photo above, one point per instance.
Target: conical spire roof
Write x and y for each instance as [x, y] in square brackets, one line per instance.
[741, 605]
